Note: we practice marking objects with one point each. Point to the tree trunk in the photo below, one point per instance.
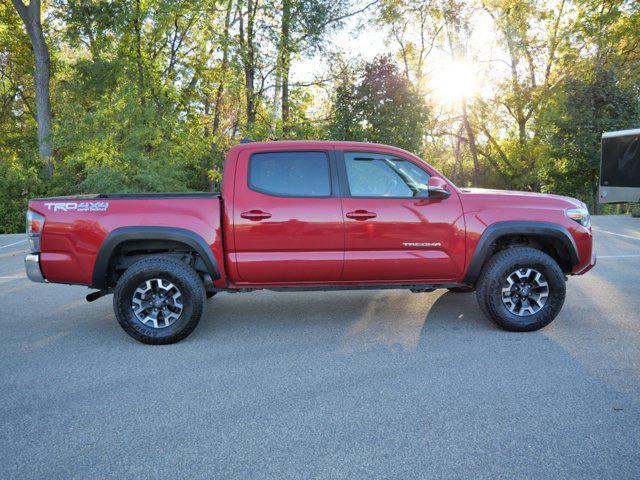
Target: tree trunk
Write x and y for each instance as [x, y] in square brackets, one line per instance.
[286, 104]
[275, 115]
[472, 144]
[207, 112]
[138, 34]
[285, 51]
[31, 18]
[248, 59]
[223, 67]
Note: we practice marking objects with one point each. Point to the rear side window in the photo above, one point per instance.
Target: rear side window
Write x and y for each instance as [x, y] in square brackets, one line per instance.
[290, 174]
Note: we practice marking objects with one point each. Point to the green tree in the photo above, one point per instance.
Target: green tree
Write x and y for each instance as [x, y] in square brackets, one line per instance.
[384, 107]
[304, 26]
[148, 95]
[31, 15]
[346, 118]
[591, 101]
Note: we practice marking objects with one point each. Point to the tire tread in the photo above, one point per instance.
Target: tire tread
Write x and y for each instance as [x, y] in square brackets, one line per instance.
[491, 278]
[176, 268]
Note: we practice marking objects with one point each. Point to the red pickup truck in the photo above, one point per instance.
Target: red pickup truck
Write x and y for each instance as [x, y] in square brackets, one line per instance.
[312, 216]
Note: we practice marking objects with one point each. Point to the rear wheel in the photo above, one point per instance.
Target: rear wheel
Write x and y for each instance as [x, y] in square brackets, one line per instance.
[159, 300]
[521, 289]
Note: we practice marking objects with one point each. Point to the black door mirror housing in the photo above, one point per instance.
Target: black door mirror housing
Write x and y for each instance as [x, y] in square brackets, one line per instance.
[438, 188]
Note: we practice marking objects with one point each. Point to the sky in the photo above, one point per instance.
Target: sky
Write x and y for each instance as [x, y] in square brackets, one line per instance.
[448, 80]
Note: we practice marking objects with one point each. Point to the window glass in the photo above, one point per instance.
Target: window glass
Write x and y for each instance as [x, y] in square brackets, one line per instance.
[297, 174]
[375, 175]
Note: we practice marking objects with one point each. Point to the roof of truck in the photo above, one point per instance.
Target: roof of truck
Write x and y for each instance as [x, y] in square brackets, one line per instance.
[331, 144]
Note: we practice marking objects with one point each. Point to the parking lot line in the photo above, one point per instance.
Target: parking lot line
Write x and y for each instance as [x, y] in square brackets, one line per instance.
[617, 234]
[12, 244]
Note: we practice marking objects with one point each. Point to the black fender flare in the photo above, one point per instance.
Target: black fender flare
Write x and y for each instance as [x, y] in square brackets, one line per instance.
[496, 230]
[123, 234]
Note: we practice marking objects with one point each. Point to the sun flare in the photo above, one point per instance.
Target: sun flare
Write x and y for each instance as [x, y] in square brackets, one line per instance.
[454, 81]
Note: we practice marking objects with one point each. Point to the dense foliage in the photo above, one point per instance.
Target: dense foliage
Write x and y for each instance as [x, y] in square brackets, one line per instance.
[381, 107]
[148, 95]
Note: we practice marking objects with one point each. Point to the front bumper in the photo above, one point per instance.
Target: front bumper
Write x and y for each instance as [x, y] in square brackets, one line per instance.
[32, 266]
[590, 265]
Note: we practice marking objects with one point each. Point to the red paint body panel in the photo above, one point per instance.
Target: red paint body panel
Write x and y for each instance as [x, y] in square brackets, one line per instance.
[71, 239]
[309, 241]
[485, 207]
[378, 250]
[301, 241]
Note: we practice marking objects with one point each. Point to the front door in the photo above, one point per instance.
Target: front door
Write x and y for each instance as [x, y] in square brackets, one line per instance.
[287, 217]
[393, 231]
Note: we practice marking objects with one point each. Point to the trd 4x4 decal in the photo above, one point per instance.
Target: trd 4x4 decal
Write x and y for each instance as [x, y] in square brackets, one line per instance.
[77, 206]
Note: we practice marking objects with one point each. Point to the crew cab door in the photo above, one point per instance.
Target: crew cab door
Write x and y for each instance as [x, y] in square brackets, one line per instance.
[393, 230]
[287, 217]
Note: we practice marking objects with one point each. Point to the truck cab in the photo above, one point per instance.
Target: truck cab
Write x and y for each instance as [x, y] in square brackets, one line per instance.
[339, 213]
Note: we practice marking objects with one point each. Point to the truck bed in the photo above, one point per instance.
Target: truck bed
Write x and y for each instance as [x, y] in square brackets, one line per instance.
[76, 227]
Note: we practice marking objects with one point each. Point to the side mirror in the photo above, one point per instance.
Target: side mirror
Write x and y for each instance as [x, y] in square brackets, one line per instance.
[438, 188]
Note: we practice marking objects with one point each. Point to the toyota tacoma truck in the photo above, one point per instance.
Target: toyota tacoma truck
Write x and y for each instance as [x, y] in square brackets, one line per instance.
[315, 215]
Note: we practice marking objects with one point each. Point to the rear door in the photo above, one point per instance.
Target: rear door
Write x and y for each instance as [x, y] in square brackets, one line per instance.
[393, 231]
[287, 217]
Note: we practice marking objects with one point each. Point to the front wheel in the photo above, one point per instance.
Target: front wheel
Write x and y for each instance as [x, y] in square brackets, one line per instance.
[159, 300]
[521, 289]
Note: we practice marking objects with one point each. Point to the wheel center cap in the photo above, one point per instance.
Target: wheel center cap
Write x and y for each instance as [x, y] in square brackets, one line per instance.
[157, 303]
[525, 292]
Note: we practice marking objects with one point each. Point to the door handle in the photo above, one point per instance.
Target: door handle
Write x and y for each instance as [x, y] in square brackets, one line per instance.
[255, 215]
[361, 215]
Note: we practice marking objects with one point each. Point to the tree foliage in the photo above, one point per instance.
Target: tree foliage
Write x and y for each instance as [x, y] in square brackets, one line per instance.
[148, 95]
[590, 101]
[382, 106]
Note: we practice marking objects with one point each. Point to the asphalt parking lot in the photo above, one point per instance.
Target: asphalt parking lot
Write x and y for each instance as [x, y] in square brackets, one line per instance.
[365, 384]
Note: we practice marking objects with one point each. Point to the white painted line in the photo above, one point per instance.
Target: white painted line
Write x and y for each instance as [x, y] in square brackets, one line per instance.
[12, 277]
[12, 244]
[617, 234]
[617, 256]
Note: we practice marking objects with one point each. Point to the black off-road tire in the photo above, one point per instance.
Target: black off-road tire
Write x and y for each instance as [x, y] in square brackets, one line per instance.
[494, 275]
[182, 276]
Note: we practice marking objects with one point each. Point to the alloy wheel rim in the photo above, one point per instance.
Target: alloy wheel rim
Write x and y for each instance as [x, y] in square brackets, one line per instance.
[525, 292]
[157, 303]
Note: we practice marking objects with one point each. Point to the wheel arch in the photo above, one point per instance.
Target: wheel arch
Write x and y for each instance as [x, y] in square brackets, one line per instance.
[548, 237]
[150, 235]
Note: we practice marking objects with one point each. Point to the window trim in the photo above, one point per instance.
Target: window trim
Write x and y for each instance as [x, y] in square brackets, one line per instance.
[346, 189]
[331, 169]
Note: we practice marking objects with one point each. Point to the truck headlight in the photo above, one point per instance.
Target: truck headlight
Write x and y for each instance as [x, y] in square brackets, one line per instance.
[580, 215]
